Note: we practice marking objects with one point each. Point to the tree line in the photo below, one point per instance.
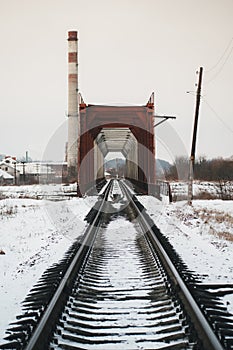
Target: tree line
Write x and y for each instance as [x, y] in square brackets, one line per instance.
[205, 169]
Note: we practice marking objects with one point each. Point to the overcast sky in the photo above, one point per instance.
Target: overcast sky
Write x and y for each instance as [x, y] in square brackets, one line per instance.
[127, 49]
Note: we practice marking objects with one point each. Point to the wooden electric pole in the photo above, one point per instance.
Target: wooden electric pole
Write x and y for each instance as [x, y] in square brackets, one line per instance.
[193, 149]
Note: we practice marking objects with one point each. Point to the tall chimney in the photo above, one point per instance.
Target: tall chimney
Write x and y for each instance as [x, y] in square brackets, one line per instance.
[73, 106]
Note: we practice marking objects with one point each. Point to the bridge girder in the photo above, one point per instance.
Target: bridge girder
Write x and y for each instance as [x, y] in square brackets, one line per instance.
[125, 129]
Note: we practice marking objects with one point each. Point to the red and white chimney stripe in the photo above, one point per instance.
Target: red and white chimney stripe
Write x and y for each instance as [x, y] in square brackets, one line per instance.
[72, 73]
[73, 105]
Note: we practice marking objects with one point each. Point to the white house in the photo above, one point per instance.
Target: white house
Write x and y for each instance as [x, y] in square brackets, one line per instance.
[9, 165]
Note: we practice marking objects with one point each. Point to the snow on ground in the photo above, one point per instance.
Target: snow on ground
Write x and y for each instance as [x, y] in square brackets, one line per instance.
[36, 191]
[202, 234]
[33, 235]
[36, 233]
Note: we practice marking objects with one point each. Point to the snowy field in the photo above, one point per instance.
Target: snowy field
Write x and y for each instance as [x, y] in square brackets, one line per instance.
[202, 234]
[202, 189]
[36, 233]
[36, 191]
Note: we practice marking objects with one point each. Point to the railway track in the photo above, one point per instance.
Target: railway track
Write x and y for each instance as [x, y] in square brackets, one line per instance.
[122, 287]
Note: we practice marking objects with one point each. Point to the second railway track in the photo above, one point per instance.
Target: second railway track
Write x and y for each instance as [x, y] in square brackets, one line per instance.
[121, 291]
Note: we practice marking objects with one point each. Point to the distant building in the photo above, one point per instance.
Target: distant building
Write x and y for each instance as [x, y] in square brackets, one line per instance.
[5, 178]
[9, 165]
[8, 160]
[60, 171]
[33, 172]
[38, 172]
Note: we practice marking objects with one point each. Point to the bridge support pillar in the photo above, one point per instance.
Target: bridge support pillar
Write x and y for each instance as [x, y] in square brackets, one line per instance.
[99, 162]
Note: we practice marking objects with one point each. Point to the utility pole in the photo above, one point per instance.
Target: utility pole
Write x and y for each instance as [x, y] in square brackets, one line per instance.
[15, 173]
[193, 149]
[24, 182]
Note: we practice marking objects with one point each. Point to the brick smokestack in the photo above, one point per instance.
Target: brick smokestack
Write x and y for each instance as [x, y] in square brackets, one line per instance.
[73, 106]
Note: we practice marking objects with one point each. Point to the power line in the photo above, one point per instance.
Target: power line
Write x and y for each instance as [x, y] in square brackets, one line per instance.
[221, 68]
[219, 60]
[218, 116]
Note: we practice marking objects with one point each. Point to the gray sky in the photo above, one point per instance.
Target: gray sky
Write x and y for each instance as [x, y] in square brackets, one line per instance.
[127, 49]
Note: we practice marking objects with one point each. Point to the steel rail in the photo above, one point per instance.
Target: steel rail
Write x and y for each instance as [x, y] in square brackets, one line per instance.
[201, 325]
[40, 338]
